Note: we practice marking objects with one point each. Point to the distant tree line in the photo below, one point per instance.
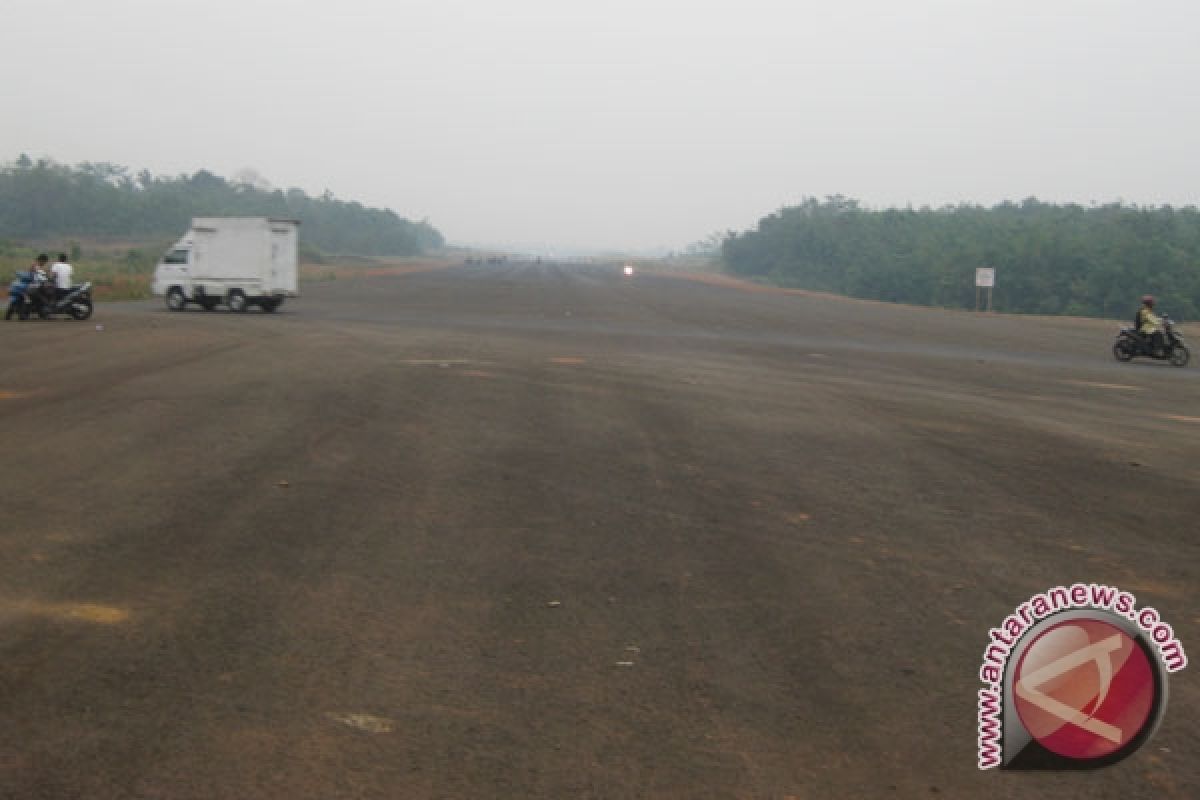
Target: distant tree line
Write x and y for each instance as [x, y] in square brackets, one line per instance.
[1049, 259]
[44, 199]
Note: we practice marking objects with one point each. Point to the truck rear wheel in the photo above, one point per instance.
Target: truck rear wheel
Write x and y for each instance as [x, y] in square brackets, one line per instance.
[237, 301]
[272, 304]
[175, 299]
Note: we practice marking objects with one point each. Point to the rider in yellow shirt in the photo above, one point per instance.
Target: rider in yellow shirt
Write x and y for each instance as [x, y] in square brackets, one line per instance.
[1150, 324]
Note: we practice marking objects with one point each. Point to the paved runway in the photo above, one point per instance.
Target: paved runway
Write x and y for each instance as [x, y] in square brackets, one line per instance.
[544, 531]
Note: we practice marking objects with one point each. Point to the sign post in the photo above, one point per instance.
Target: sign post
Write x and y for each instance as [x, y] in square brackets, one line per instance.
[985, 280]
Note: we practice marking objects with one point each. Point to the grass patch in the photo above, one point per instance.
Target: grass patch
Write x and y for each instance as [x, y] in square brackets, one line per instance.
[334, 268]
[117, 270]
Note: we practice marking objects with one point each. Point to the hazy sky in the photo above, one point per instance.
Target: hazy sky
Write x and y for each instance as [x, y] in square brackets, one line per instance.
[619, 123]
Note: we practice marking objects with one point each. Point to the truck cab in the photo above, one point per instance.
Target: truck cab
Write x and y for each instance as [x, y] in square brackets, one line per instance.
[173, 268]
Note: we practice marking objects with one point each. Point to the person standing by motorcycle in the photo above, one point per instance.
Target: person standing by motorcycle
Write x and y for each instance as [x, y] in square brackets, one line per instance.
[1150, 325]
[38, 269]
[41, 289]
[61, 272]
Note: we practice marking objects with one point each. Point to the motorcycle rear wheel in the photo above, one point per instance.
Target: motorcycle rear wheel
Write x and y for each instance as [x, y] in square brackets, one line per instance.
[1180, 356]
[1123, 350]
[81, 309]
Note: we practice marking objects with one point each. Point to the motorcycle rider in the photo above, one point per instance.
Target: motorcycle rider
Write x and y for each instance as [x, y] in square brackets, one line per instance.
[1150, 325]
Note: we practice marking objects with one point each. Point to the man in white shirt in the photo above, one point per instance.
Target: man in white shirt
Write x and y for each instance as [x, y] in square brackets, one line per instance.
[62, 273]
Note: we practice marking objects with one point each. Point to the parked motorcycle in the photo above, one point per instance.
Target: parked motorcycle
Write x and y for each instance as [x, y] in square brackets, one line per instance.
[1130, 344]
[25, 300]
[19, 302]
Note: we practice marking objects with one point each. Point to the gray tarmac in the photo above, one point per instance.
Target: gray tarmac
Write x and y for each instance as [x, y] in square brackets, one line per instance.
[541, 531]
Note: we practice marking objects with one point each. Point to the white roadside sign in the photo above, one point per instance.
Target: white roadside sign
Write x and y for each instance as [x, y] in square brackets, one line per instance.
[985, 277]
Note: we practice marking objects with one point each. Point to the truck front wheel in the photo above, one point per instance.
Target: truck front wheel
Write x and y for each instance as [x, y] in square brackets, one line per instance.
[175, 299]
[237, 301]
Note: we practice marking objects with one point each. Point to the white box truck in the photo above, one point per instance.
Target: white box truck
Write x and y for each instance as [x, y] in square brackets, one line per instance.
[238, 261]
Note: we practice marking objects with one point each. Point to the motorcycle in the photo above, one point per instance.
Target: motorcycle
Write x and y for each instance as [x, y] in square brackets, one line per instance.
[19, 302]
[26, 300]
[75, 302]
[1130, 343]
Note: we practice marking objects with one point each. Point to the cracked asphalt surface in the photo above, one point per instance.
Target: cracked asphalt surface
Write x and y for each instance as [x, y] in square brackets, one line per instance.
[545, 531]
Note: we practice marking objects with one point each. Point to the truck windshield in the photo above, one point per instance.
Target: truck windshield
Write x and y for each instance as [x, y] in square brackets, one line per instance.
[176, 257]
